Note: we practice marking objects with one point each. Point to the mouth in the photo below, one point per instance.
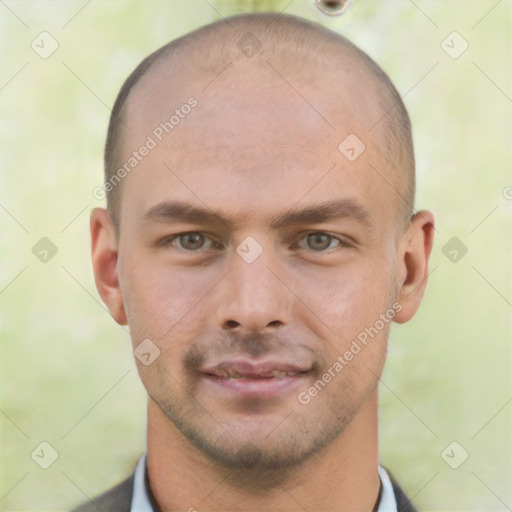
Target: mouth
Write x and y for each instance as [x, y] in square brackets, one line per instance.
[246, 379]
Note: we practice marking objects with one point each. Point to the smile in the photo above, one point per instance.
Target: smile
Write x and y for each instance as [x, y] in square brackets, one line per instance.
[246, 379]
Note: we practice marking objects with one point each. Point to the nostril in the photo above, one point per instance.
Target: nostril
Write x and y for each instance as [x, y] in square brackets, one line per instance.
[231, 324]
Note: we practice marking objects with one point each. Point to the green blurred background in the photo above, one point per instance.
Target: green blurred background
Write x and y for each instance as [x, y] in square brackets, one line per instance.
[67, 374]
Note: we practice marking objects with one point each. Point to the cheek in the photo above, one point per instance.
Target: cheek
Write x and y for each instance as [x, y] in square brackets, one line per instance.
[347, 305]
[349, 298]
[161, 300]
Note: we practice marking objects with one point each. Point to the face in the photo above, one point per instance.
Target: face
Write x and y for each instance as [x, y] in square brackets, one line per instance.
[256, 256]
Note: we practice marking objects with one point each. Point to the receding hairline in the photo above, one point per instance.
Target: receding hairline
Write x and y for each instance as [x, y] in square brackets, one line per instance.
[216, 43]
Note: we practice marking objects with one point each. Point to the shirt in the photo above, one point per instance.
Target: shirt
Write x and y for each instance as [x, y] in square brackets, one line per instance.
[141, 503]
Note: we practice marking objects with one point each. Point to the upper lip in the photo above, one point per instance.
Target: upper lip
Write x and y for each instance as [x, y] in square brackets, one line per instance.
[254, 369]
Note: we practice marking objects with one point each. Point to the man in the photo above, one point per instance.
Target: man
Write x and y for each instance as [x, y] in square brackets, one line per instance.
[259, 239]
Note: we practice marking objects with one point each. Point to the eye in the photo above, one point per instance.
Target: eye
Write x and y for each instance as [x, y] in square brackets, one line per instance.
[319, 241]
[190, 241]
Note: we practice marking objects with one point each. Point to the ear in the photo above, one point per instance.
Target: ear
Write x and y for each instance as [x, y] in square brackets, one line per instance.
[104, 262]
[414, 253]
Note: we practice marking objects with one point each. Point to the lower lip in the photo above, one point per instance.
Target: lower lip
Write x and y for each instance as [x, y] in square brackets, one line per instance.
[248, 388]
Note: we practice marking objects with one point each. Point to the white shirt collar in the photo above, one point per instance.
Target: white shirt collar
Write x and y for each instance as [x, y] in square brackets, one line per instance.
[141, 503]
[140, 498]
[387, 501]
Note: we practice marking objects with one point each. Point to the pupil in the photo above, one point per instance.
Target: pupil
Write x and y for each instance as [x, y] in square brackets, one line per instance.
[319, 241]
[194, 240]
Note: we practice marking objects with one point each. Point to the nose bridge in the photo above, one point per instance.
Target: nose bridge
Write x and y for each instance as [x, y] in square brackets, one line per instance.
[252, 297]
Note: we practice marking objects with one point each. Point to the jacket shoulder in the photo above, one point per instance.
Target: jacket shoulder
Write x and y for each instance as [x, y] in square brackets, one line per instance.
[117, 499]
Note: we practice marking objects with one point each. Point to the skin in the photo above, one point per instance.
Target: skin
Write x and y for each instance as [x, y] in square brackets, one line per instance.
[295, 302]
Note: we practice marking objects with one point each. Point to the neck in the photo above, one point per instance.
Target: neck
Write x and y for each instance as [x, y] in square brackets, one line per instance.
[343, 477]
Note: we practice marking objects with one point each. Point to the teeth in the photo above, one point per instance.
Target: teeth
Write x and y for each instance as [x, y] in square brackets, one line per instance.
[231, 373]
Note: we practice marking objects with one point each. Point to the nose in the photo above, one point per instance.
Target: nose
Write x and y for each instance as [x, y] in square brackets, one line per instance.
[252, 298]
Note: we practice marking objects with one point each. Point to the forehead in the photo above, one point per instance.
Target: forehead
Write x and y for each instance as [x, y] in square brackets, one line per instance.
[253, 140]
[337, 87]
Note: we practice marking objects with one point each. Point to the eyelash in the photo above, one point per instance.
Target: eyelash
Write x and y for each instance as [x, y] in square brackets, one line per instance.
[167, 241]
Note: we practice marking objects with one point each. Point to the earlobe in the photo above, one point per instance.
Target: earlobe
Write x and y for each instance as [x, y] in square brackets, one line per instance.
[414, 254]
[104, 262]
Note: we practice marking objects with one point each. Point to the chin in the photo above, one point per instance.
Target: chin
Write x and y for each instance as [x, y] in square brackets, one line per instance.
[257, 443]
[259, 455]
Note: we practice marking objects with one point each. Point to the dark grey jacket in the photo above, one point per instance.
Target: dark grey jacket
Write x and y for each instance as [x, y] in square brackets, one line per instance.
[118, 499]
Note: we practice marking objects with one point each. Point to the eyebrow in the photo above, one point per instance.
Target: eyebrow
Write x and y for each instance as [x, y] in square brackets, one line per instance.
[176, 211]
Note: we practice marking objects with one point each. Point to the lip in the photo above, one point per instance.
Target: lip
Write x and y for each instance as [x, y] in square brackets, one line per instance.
[254, 369]
[246, 379]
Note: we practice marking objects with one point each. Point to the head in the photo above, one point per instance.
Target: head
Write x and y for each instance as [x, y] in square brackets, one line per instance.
[264, 215]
